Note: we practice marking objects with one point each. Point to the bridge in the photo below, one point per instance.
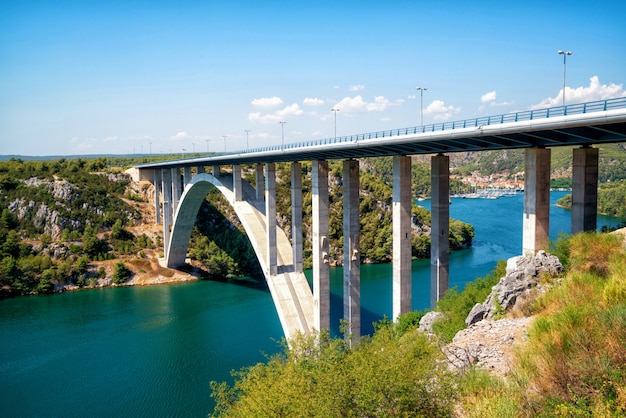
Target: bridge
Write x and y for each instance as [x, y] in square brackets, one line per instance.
[178, 196]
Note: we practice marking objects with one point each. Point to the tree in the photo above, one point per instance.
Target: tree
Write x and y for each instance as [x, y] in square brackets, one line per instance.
[121, 273]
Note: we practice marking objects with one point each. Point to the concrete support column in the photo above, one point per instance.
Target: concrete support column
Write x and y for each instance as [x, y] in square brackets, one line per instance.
[321, 273]
[351, 250]
[259, 183]
[157, 194]
[296, 215]
[237, 185]
[536, 225]
[402, 279]
[440, 227]
[176, 189]
[200, 169]
[270, 215]
[166, 178]
[215, 170]
[585, 190]
[186, 176]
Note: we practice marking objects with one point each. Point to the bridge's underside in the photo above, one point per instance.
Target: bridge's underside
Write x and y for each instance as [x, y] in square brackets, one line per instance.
[289, 288]
[583, 129]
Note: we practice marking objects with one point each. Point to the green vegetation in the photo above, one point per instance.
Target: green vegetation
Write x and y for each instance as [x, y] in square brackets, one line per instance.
[611, 199]
[58, 219]
[393, 374]
[456, 304]
[573, 363]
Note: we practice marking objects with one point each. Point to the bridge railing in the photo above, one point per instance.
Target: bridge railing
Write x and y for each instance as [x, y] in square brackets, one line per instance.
[573, 109]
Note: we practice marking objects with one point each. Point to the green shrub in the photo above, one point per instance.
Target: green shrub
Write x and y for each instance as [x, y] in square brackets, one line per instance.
[121, 273]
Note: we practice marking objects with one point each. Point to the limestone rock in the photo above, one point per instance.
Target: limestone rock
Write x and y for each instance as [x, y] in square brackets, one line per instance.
[427, 321]
[521, 276]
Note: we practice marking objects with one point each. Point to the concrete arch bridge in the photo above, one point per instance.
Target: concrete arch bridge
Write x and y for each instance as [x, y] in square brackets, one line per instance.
[582, 125]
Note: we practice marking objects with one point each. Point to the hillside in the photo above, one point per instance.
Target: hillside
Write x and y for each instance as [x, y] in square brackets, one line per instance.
[558, 348]
[67, 224]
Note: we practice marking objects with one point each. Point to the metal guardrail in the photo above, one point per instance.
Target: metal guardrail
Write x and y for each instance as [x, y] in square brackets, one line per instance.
[573, 109]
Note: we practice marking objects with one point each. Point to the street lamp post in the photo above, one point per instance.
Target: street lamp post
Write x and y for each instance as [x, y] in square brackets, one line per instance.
[335, 110]
[224, 136]
[421, 90]
[282, 129]
[193, 147]
[565, 54]
[247, 131]
[207, 145]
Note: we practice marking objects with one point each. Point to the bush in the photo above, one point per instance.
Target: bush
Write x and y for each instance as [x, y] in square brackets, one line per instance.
[456, 305]
[121, 273]
[387, 375]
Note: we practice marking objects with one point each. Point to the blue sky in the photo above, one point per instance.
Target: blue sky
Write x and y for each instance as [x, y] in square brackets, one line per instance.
[94, 77]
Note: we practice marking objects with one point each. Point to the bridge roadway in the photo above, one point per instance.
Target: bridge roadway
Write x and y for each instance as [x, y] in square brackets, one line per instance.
[584, 124]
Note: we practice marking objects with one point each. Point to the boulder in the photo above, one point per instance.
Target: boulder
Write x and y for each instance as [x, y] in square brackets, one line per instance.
[427, 321]
[522, 273]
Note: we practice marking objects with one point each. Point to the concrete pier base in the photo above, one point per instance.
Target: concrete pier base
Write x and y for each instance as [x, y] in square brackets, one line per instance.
[402, 279]
[186, 176]
[536, 226]
[260, 192]
[296, 215]
[440, 227]
[166, 186]
[270, 214]
[351, 251]
[157, 192]
[585, 189]
[176, 189]
[321, 272]
[237, 185]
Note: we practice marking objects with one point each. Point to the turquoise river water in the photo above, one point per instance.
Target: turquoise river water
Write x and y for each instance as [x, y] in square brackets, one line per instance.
[152, 351]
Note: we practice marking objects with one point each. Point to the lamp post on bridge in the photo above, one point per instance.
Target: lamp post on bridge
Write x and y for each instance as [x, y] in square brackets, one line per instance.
[282, 128]
[224, 136]
[207, 145]
[421, 90]
[247, 131]
[335, 110]
[565, 54]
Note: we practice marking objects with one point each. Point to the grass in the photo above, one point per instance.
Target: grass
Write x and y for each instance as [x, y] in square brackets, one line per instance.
[574, 361]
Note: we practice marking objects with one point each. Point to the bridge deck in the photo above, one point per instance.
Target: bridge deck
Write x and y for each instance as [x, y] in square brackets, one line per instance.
[580, 124]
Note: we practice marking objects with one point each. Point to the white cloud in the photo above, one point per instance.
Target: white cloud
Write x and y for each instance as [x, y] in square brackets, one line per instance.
[488, 97]
[595, 91]
[440, 111]
[357, 87]
[180, 136]
[356, 104]
[313, 101]
[277, 116]
[267, 102]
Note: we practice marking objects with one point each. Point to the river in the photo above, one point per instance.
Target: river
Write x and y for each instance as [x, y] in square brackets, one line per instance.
[152, 351]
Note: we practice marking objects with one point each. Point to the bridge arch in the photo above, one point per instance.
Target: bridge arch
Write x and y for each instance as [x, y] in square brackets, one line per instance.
[290, 290]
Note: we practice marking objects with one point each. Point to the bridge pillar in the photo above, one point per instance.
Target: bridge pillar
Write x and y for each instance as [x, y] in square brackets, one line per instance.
[402, 279]
[270, 215]
[237, 185]
[166, 178]
[200, 170]
[157, 191]
[215, 170]
[259, 182]
[176, 189]
[296, 215]
[351, 250]
[186, 176]
[440, 227]
[321, 272]
[585, 189]
[536, 201]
